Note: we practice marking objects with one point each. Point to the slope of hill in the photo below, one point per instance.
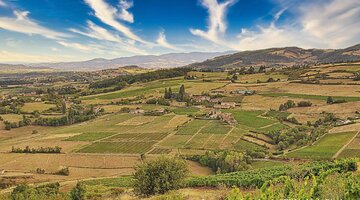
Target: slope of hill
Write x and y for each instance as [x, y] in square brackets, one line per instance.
[146, 61]
[282, 57]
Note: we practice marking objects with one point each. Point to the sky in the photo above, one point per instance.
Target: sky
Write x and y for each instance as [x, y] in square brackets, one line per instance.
[73, 30]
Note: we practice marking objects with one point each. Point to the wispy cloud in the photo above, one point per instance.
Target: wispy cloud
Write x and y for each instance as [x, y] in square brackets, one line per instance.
[97, 32]
[322, 24]
[334, 22]
[109, 15]
[164, 43]
[2, 4]
[23, 24]
[124, 14]
[216, 21]
[77, 46]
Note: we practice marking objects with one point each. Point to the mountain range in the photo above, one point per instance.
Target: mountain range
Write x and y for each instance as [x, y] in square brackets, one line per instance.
[145, 61]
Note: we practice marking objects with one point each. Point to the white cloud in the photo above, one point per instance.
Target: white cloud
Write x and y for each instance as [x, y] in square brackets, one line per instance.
[2, 4]
[23, 24]
[164, 43]
[124, 14]
[109, 15]
[97, 32]
[335, 22]
[317, 24]
[78, 46]
[216, 20]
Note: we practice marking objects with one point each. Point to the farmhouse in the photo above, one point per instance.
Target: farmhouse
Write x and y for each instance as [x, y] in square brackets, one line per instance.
[230, 104]
[200, 98]
[243, 92]
[218, 91]
[224, 117]
[137, 111]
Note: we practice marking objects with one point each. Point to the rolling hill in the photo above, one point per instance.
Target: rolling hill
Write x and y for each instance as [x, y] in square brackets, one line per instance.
[286, 56]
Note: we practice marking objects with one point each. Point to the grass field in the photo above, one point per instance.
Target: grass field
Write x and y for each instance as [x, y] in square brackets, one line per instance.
[325, 148]
[11, 117]
[250, 118]
[277, 114]
[39, 106]
[307, 96]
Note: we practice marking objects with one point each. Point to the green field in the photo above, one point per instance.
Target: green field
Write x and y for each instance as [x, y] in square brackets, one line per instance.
[186, 111]
[277, 114]
[215, 127]
[191, 127]
[250, 118]
[122, 181]
[90, 136]
[325, 148]
[118, 147]
[308, 96]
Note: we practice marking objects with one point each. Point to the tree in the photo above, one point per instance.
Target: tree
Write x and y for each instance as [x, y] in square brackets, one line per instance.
[160, 175]
[330, 100]
[181, 96]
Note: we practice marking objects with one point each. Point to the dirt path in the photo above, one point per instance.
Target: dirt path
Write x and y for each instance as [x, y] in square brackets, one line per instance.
[347, 144]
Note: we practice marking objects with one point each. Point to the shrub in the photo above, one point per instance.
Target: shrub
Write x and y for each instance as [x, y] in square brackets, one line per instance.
[78, 192]
[159, 176]
[64, 171]
[304, 104]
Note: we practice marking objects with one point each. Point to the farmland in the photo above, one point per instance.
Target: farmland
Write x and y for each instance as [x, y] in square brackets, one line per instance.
[118, 129]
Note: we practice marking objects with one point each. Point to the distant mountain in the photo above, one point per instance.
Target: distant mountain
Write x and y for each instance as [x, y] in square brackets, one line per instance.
[286, 56]
[148, 61]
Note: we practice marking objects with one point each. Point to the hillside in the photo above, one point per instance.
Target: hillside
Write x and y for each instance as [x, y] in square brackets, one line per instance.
[286, 56]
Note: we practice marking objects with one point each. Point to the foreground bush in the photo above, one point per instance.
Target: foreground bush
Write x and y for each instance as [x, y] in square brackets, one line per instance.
[159, 176]
[44, 192]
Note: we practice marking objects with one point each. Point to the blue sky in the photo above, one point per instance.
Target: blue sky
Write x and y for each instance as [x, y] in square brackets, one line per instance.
[71, 30]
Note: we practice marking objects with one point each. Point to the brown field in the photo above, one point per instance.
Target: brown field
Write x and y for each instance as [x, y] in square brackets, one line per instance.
[258, 102]
[341, 110]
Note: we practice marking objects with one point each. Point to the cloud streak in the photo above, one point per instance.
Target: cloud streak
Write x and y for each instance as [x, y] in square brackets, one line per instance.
[21, 23]
[164, 43]
[216, 21]
[109, 15]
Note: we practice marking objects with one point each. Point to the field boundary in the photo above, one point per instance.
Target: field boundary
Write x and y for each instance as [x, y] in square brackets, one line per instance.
[346, 145]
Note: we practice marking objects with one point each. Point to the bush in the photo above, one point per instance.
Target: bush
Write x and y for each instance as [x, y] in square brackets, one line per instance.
[64, 171]
[304, 104]
[78, 192]
[160, 175]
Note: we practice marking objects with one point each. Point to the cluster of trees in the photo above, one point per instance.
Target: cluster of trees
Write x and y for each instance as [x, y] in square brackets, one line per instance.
[181, 96]
[48, 191]
[289, 104]
[27, 149]
[284, 138]
[159, 101]
[144, 77]
[75, 114]
[224, 161]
